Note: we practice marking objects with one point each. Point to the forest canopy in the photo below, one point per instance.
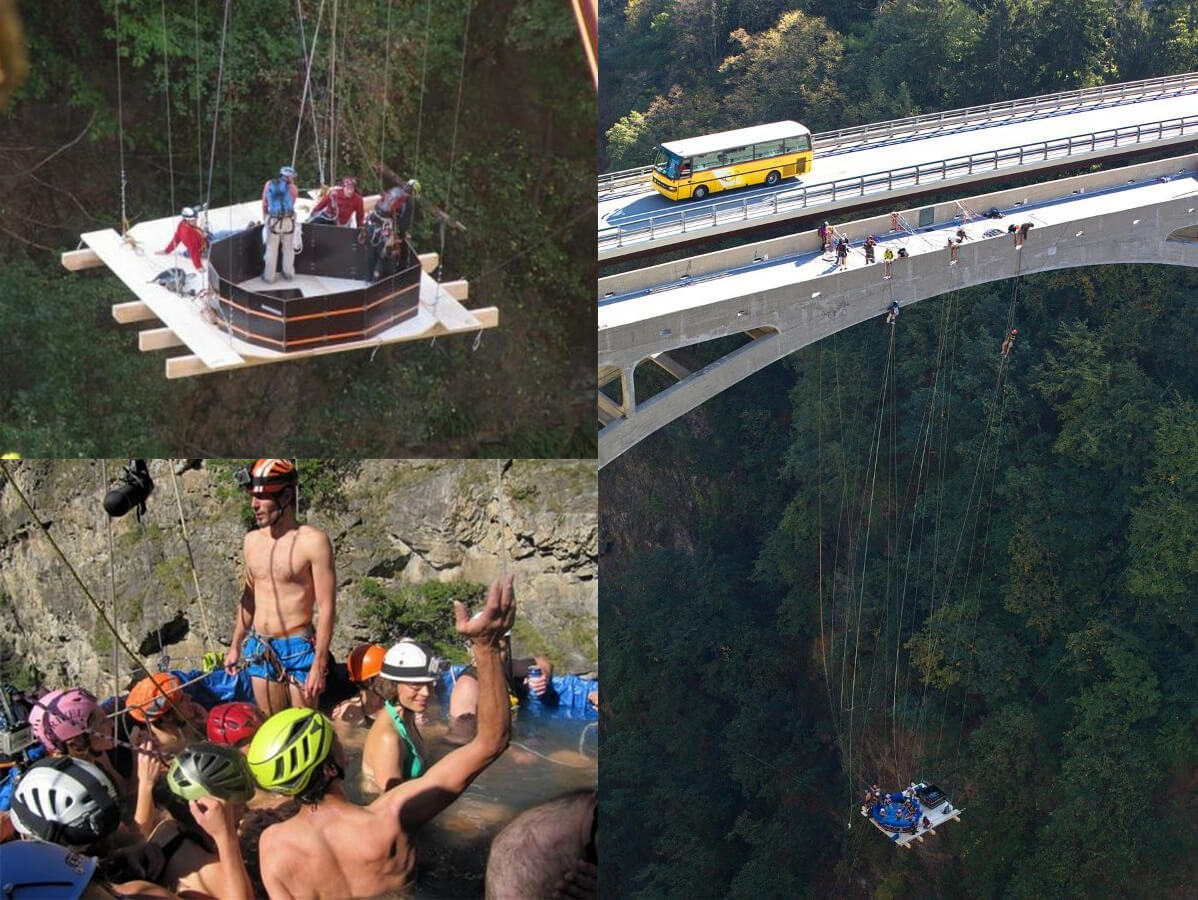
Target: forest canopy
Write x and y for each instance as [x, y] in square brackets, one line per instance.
[489, 105]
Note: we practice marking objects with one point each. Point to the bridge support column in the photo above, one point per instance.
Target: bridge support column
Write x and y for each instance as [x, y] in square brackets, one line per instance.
[628, 389]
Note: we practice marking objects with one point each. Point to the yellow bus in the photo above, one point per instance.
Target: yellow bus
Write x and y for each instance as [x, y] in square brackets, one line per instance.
[699, 166]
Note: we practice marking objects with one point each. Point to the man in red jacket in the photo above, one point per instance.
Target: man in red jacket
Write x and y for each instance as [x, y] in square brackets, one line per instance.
[190, 235]
[340, 205]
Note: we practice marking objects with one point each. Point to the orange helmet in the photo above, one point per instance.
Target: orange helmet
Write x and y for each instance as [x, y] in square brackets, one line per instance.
[269, 476]
[152, 697]
[365, 661]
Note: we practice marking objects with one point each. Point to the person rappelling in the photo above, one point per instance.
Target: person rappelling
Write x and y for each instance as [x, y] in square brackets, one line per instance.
[388, 224]
[1008, 343]
[892, 312]
[278, 207]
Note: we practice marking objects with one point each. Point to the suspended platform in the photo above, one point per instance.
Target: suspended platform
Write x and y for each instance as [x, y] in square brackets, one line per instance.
[909, 816]
[235, 319]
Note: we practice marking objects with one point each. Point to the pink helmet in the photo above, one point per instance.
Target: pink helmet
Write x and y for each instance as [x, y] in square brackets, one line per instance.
[60, 716]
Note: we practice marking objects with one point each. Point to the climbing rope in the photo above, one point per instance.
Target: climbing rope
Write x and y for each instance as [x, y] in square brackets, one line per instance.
[116, 657]
[502, 518]
[74, 574]
[195, 578]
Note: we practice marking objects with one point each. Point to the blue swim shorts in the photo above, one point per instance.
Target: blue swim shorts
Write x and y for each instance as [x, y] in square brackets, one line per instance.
[279, 659]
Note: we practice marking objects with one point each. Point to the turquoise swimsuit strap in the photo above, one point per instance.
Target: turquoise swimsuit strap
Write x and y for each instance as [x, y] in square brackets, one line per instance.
[415, 764]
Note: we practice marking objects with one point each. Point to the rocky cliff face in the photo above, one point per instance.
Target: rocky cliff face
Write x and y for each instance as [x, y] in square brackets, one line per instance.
[394, 521]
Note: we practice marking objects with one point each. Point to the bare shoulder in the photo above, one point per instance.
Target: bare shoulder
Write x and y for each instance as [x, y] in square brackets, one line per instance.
[313, 539]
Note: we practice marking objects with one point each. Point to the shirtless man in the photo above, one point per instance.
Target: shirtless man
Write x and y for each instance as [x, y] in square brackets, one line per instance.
[333, 848]
[289, 573]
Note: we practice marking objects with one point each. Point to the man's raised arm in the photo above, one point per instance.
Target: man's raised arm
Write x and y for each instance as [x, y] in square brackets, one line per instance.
[422, 798]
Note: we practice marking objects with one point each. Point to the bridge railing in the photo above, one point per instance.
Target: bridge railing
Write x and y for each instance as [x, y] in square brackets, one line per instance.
[675, 222]
[834, 141]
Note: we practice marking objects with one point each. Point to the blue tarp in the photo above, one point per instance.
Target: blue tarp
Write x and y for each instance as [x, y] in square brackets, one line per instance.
[567, 699]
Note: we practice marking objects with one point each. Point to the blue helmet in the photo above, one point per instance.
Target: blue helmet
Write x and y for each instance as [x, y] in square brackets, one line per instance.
[287, 172]
[35, 870]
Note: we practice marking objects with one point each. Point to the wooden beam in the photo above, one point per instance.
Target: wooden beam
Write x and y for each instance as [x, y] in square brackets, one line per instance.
[157, 339]
[77, 260]
[605, 418]
[758, 333]
[459, 290]
[133, 311]
[429, 261]
[184, 366]
[608, 374]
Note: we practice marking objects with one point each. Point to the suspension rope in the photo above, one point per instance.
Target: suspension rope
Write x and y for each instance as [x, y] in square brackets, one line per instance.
[120, 120]
[166, 67]
[386, 85]
[875, 448]
[220, 83]
[453, 143]
[195, 578]
[428, 14]
[306, 100]
[199, 113]
[333, 94]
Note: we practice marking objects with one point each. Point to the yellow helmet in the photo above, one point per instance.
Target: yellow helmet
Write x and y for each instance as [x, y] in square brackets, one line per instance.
[289, 747]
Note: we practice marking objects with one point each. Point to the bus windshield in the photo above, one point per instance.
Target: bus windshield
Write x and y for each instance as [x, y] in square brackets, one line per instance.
[666, 163]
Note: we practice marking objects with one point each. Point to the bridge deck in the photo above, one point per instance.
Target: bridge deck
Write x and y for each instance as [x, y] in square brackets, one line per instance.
[814, 269]
[635, 210]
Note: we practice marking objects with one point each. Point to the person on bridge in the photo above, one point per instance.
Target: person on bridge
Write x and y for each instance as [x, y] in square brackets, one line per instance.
[824, 240]
[870, 243]
[1009, 344]
[887, 259]
[842, 254]
[892, 312]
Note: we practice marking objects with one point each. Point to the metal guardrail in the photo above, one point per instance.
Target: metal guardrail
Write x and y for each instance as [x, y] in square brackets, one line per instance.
[680, 222]
[862, 134]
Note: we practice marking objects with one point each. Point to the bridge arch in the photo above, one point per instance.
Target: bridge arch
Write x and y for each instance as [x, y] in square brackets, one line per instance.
[1116, 225]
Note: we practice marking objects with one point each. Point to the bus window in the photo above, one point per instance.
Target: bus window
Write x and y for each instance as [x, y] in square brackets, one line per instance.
[707, 161]
[803, 143]
[739, 155]
[769, 149]
[685, 168]
[666, 163]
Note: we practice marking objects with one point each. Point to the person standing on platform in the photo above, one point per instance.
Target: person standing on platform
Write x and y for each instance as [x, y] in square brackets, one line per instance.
[278, 207]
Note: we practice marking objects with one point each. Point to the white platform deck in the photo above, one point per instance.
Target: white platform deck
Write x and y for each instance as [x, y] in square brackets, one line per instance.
[135, 260]
[943, 812]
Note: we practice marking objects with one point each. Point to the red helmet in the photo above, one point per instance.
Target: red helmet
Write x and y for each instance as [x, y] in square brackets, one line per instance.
[233, 723]
[365, 661]
[270, 476]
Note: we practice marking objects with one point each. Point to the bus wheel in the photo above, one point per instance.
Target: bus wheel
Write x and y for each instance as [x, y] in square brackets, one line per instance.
[699, 193]
[772, 178]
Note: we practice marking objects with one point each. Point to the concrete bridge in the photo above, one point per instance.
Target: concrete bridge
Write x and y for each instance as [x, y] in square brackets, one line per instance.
[783, 295]
[860, 167]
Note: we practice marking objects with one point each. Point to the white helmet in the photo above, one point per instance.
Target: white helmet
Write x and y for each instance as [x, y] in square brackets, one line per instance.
[188, 213]
[65, 801]
[410, 661]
